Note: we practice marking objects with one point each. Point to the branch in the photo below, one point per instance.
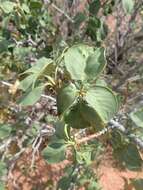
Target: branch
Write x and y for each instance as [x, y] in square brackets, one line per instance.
[43, 95]
[112, 125]
[121, 128]
[126, 77]
[60, 11]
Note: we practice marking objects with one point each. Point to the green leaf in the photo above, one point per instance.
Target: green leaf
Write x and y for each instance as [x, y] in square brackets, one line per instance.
[65, 97]
[97, 107]
[54, 152]
[102, 31]
[5, 130]
[74, 117]
[31, 97]
[92, 117]
[64, 183]
[94, 7]
[92, 27]
[128, 5]
[84, 155]
[7, 6]
[94, 185]
[95, 63]
[27, 82]
[103, 101]
[137, 117]
[3, 45]
[22, 52]
[101, 82]
[25, 8]
[35, 5]
[60, 130]
[78, 19]
[2, 186]
[75, 61]
[129, 156]
[3, 168]
[83, 62]
[137, 183]
[42, 67]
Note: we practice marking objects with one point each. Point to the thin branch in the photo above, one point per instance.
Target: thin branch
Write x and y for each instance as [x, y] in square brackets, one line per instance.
[5, 145]
[43, 95]
[48, 97]
[93, 136]
[6, 83]
[112, 125]
[35, 147]
[60, 11]
[126, 77]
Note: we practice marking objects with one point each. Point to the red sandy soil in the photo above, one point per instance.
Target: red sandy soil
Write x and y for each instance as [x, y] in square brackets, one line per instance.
[114, 178]
[22, 178]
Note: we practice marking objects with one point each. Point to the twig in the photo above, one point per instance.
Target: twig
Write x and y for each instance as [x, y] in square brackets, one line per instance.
[48, 97]
[35, 148]
[139, 96]
[6, 83]
[113, 125]
[126, 77]
[60, 11]
[121, 36]
[93, 136]
[38, 140]
[43, 95]
[5, 144]
[74, 173]
[132, 18]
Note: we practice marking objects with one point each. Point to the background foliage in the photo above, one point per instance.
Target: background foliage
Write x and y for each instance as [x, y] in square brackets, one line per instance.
[71, 85]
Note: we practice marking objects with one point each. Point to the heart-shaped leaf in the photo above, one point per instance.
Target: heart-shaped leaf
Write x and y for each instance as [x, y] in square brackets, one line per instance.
[95, 63]
[84, 62]
[103, 101]
[75, 61]
[95, 108]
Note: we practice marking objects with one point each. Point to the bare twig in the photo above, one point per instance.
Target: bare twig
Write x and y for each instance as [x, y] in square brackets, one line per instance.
[49, 131]
[125, 78]
[6, 143]
[122, 36]
[35, 147]
[6, 83]
[60, 11]
[112, 125]
[93, 136]
[43, 95]
[48, 97]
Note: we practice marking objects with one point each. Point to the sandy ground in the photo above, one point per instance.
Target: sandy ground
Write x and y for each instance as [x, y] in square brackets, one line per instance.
[22, 178]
